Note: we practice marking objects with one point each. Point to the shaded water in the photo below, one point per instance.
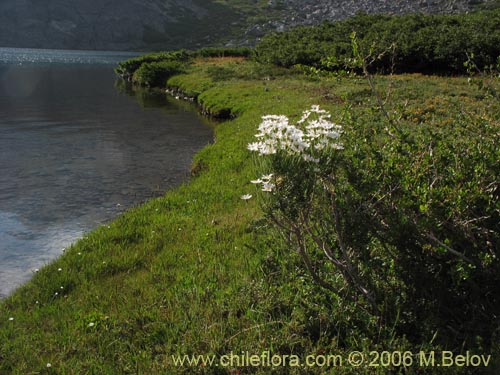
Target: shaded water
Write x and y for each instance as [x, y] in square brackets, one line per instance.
[75, 152]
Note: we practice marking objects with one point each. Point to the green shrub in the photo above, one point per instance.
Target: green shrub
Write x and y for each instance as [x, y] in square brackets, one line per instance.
[224, 52]
[395, 217]
[423, 43]
[156, 74]
[126, 69]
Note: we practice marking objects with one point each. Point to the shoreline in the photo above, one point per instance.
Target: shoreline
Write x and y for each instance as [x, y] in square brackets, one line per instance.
[199, 270]
[49, 239]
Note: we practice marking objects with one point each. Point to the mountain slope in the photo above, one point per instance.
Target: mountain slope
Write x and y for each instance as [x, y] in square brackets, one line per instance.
[167, 24]
[109, 24]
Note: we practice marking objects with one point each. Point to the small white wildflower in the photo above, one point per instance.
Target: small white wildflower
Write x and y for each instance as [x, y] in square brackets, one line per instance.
[275, 119]
[303, 146]
[11, 319]
[319, 146]
[310, 158]
[267, 177]
[91, 324]
[333, 134]
[253, 146]
[268, 187]
[59, 269]
[246, 197]
[56, 294]
[305, 116]
[49, 365]
[268, 150]
[315, 108]
[337, 146]
[268, 147]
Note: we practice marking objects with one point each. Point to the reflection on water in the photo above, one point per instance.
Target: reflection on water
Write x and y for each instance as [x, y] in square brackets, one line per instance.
[75, 152]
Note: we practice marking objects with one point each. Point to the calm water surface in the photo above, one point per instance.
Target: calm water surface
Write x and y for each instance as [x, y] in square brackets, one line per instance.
[75, 151]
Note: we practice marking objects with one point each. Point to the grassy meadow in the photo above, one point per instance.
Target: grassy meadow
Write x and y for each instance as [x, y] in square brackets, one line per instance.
[201, 271]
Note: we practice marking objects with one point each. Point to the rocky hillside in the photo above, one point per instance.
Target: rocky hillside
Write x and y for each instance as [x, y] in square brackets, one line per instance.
[166, 24]
[289, 13]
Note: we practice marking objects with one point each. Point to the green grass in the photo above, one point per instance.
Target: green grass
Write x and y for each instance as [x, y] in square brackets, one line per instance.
[199, 271]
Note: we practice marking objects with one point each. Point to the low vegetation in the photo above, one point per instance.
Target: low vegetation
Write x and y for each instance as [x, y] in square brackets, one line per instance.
[153, 70]
[409, 43]
[364, 216]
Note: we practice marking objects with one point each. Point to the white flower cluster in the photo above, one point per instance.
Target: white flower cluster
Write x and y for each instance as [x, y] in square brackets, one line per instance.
[265, 180]
[312, 133]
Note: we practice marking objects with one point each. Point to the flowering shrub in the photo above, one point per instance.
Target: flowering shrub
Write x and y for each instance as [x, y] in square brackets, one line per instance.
[403, 224]
[302, 157]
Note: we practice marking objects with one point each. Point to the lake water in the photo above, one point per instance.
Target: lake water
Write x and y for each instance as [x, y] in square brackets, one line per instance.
[76, 151]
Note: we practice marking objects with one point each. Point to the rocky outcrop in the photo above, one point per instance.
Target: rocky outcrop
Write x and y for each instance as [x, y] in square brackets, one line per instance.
[290, 13]
[168, 24]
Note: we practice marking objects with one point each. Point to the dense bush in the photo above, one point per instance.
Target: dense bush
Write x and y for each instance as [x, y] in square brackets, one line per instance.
[423, 43]
[224, 52]
[151, 69]
[126, 69]
[155, 74]
[402, 219]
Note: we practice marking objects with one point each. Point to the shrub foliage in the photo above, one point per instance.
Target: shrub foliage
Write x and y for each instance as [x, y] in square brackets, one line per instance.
[155, 74]
[126, 69]
[422, 43]
[402, 219]
[154, 69]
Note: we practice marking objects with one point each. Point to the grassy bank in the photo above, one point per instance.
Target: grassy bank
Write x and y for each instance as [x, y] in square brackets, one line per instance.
[199, 271]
